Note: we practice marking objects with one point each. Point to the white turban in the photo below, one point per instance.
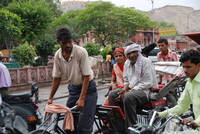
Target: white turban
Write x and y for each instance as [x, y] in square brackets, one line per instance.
[131, 48]
[138, 64]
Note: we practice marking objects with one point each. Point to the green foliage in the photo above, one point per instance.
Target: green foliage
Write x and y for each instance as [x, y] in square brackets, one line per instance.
[53, 6]
[56, 47]
[44, 48]
[4, 3]
[97, 18]
[162, 24]
[10, 28]
[70, 21]
[107, 23]
[92, 49]
[110, 24]
[24, 54]
[105, 51]
[165, 24]
[35, 17]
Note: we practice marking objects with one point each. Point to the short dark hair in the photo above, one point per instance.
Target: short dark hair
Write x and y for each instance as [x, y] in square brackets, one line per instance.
[192, 55]
[163, 40]
[63, 35]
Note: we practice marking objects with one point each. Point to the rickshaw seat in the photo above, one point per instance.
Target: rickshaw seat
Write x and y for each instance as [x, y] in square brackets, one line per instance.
[117, 110]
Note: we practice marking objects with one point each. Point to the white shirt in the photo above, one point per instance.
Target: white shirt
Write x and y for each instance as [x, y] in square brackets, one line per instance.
[5, 80]
[75, 68]
[147, 79]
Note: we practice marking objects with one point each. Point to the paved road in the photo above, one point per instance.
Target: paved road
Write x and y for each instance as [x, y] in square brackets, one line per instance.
[62, 92]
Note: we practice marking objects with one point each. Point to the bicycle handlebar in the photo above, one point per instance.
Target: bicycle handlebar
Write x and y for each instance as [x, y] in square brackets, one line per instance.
[74, 107]
[174, 117]
[152, 118]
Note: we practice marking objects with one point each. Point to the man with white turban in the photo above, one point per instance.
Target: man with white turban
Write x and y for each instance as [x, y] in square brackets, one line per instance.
[139, 76]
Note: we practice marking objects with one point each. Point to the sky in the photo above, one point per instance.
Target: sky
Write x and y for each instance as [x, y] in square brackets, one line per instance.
[146, 5]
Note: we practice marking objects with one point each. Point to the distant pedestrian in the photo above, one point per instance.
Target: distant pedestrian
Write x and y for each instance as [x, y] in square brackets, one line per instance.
[112, 56]
[5, 80]
[71, 62]
[165, 55]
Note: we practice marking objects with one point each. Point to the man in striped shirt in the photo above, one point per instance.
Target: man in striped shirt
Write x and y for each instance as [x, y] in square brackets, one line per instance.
[165, 55]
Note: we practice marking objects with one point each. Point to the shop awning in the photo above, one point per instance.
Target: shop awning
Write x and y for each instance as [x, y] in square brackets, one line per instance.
[194, 36]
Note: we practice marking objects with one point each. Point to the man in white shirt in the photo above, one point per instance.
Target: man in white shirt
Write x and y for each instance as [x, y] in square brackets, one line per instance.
[5, 80]
[139, 76]
[71, 62]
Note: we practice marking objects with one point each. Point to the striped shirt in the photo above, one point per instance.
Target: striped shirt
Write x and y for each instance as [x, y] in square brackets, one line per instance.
[171, 56]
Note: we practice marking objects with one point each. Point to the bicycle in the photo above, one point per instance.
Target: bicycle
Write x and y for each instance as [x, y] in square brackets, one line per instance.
[166, 125]
[52, 127]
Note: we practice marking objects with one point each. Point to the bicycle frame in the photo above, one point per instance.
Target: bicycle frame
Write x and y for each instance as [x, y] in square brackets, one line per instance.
[56, 128]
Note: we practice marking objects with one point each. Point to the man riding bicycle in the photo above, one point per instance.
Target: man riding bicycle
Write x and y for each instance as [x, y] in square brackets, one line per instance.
[71, 62]
[190, 61]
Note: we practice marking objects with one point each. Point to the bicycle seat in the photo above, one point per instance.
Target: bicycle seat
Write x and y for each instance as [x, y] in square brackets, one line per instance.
[117, 110]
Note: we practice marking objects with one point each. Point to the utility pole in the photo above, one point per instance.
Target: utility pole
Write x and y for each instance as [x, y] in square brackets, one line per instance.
[152, 2]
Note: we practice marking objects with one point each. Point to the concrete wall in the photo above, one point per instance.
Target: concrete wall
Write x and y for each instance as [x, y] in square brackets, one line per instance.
[22, 78]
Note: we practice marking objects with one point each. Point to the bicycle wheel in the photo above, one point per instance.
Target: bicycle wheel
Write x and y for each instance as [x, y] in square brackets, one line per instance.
[40, 132]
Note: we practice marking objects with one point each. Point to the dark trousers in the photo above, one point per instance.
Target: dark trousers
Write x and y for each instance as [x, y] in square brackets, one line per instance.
[130, 102]
[84, 122]
[3, 92]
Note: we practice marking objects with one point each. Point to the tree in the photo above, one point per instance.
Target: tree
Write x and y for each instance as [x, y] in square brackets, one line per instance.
[35, 16]
[4, 3]
[110, 24]
[107, 23]
[24, 54]
[125, 21]
[96, 18]
[54, 6]
[163, 24]
[44, 48]
[10, 28]
[92, 49]
[68, 20]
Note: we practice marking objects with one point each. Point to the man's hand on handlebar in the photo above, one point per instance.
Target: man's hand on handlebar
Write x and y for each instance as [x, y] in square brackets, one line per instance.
[189, 122]
[80, 104]
[49, 101]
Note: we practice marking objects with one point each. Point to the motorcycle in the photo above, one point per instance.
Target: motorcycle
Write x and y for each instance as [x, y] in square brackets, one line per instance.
[10, 123]
[25, 106]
